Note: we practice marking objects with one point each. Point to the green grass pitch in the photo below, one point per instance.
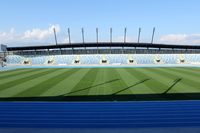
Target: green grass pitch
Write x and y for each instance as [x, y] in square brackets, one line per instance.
[98, 81]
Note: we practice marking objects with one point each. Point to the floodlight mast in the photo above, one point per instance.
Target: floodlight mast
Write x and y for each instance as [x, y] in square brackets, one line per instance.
[54, 29]
[111, 35]
[83, 39]
[97, 37]
[153, 35]
[110, 38]
[125, 30]
[69, 36]
[139, 33]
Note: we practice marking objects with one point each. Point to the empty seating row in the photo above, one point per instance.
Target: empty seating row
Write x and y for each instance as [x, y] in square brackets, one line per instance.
[102, 59]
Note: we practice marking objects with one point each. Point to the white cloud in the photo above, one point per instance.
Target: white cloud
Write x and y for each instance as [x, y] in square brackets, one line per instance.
[38, 36]
[5, 36]
[181, 39]
[32, 36]
[40, 33]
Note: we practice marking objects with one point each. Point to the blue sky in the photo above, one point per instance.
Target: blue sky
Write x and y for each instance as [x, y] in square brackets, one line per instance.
[30, 22]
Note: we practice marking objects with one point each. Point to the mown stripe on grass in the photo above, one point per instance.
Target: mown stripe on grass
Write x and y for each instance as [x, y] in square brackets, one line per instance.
[83, 87]
[104, 78]
[115, 81]
[180, 84]
[10, 71]
[3, 73]
[24, 79]
[98, 82]
[154, 80]
[16, 73]
[130, 80]
[193, 72]
[188, 83]
[44, 86]
[187, 69]
[159, 80]
[185, 85]
[144, 88]
[188, 75]
[24, 75]
[13, 91]
[173, 77]
[67, 84]
[124, 80]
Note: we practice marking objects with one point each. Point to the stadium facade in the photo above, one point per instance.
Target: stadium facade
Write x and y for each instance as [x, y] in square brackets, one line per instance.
[107, 53]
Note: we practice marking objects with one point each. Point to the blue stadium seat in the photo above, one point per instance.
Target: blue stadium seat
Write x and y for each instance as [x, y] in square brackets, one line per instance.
[14, 59]
[111, 59]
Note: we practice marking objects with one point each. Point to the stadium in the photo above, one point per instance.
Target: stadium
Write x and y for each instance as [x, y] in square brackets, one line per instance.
[99, 66]
[100, 86]
[100, 71]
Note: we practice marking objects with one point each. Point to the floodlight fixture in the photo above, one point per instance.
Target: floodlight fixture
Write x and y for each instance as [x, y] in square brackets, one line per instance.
[97, 35]
[139, 33]
[69, 36]
[152, 39]
[83, 39]
[111, 35]
[125, 30]
[54, 29]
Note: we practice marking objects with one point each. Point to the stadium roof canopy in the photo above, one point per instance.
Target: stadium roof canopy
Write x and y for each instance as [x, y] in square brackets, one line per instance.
[104, 44]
